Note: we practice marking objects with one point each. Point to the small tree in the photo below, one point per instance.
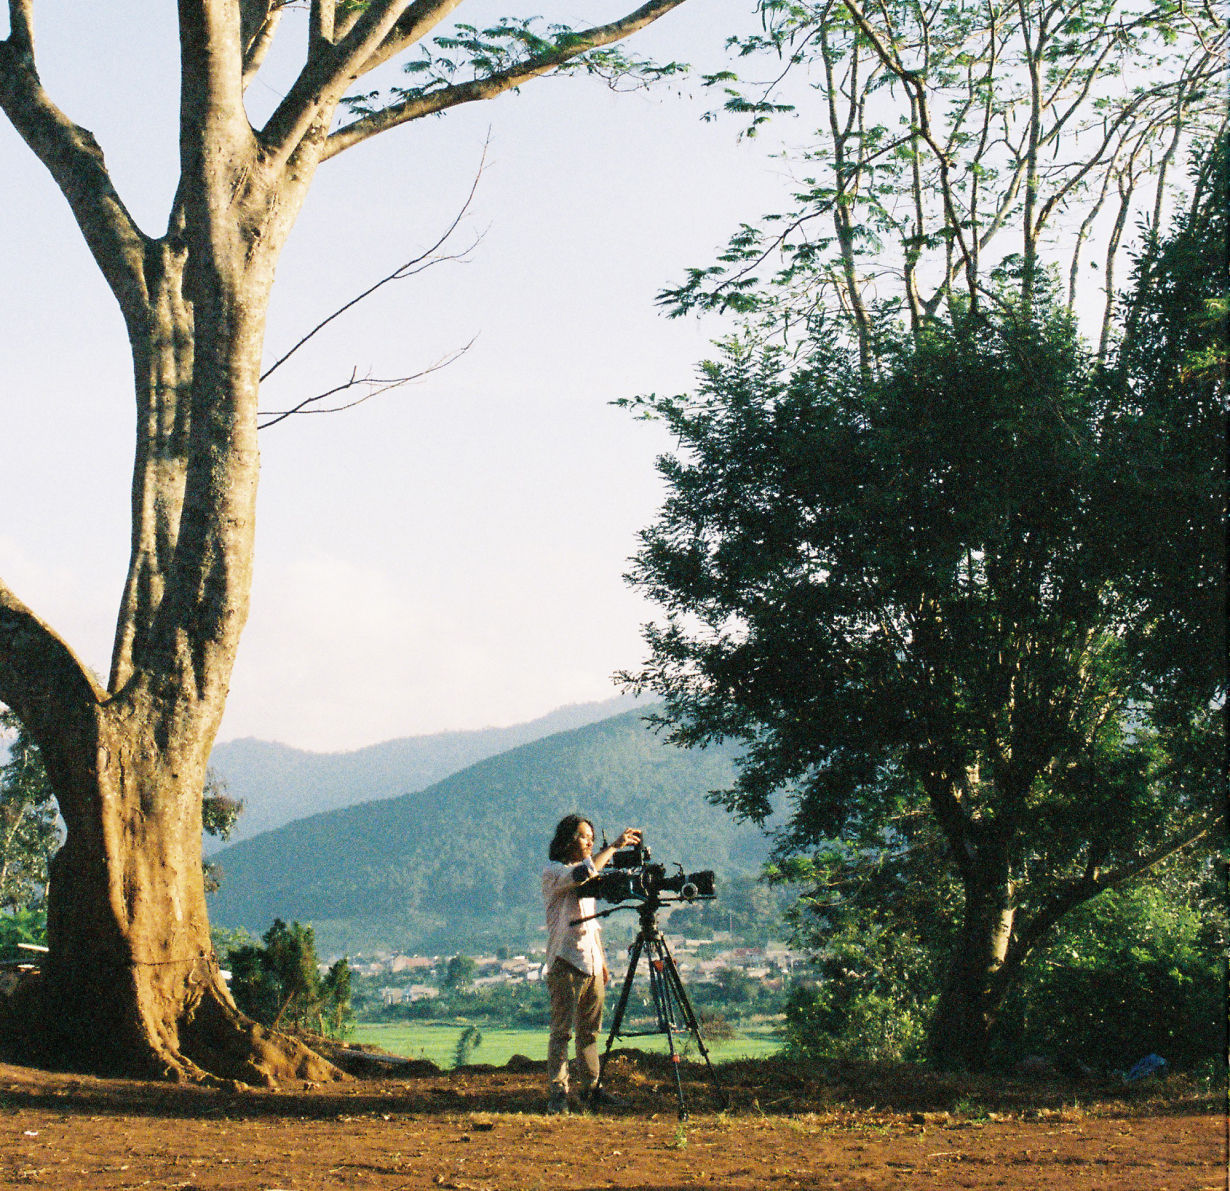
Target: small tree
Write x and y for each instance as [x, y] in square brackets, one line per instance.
[279, 984]
[460, 972]
[29, 833]
[469, 1041]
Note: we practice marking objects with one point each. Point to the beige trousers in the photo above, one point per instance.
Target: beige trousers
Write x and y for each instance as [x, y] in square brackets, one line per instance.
[575, 999]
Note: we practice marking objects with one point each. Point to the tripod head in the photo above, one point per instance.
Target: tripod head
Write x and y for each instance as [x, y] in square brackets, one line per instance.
[646, 908]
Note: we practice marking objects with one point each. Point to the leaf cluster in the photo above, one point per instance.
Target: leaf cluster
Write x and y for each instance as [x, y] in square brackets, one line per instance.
[469, 54]
[898, 595]
[279, 985]
[29, 827]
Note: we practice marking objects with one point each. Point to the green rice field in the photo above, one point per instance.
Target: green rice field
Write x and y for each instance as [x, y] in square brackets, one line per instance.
[437, 1041]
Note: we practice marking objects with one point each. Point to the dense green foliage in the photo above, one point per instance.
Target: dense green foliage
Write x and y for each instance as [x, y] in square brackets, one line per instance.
[1164, 448]
[1139, 970]
[279, 984]
[466, 855]
[899, 591]
[21, 926]
[29, 832]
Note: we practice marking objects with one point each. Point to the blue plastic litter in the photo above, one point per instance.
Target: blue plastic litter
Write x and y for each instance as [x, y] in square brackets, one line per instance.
[1149, 1065]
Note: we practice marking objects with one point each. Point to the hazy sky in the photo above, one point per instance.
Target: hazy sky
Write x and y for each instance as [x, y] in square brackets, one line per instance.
[447, 556]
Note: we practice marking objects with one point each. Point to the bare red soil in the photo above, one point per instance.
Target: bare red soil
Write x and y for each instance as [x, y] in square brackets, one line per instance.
[481, 1129]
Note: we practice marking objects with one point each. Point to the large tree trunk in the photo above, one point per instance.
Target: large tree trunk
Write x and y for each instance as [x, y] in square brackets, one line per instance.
[131, 983]
[960, 1033]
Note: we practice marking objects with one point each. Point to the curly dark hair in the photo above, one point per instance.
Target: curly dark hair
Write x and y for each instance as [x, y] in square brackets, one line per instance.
[566, 832]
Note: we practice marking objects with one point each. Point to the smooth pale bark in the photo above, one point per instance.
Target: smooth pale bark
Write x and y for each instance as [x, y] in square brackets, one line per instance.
[131, 982]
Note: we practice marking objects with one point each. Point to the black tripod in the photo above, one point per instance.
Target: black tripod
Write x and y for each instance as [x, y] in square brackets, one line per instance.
[672, 1008]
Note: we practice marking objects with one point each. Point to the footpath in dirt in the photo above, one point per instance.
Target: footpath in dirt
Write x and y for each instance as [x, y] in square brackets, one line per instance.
[481, 1129]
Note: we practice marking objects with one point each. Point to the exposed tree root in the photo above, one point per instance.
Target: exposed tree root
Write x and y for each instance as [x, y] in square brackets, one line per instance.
[204, 1040]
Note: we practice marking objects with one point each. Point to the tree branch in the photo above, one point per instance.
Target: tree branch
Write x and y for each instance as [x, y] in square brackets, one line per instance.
[260, 19]
[1091, 884]
[329, 70]
[321, 24]
[212, 56]
[377, 386]
[412, 267]
[493, 84]
[40, 676]
[75, 161]
[412, 26]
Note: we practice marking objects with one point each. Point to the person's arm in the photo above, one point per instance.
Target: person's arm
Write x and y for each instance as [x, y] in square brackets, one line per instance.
[625, 839]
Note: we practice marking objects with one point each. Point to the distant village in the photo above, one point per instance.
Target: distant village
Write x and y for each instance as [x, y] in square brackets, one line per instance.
[700, 961]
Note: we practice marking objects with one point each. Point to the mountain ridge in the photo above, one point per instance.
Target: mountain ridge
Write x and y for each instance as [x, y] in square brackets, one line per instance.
[279, 783]
[470, 848]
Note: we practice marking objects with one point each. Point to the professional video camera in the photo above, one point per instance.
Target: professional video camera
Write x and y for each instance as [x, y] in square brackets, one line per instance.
[631, 875]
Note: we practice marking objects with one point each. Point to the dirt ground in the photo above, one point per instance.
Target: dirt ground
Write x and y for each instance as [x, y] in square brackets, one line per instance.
[482, 1129]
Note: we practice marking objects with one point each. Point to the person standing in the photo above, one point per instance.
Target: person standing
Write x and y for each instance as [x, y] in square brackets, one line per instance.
[577, 974]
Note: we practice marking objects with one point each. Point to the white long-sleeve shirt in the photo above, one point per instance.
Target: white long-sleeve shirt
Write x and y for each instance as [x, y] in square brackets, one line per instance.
[579, 945]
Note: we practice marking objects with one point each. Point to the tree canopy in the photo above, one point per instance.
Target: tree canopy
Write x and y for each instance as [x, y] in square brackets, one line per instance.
[901, 592]
[954, 148]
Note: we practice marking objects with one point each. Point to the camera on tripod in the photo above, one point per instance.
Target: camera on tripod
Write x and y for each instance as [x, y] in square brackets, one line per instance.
[631, 875]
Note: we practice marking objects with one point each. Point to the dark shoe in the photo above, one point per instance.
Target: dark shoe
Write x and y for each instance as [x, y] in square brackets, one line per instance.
[557, 1105]
[597, 1099]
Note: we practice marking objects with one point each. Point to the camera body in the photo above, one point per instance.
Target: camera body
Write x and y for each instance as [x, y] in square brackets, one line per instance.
[632, 875]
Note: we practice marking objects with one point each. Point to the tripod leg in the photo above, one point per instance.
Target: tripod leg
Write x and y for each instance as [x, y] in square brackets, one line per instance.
[634, 956]
[657, 975]
[689, 1016]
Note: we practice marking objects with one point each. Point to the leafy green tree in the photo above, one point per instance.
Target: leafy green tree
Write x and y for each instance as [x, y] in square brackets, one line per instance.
[279, 984]
[29, 833]
[460, 972]
[889, 590]
[880, 918]
[735, 986]
[336, 1014]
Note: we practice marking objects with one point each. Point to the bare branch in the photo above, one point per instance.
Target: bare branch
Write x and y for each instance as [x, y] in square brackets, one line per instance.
[313, 97]
[257, 38]
[411, 268]
[494, 84]
[376, 387]
[75, 161]
[40, 677]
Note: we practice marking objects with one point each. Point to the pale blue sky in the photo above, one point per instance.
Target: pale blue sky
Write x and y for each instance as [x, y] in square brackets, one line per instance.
[448, 556]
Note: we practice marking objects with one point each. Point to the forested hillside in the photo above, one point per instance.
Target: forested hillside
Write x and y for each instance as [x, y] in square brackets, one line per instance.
[278, 784]
[462, 858]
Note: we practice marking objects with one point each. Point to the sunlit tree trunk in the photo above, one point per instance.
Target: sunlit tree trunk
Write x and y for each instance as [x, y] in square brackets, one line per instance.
[131, 982]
